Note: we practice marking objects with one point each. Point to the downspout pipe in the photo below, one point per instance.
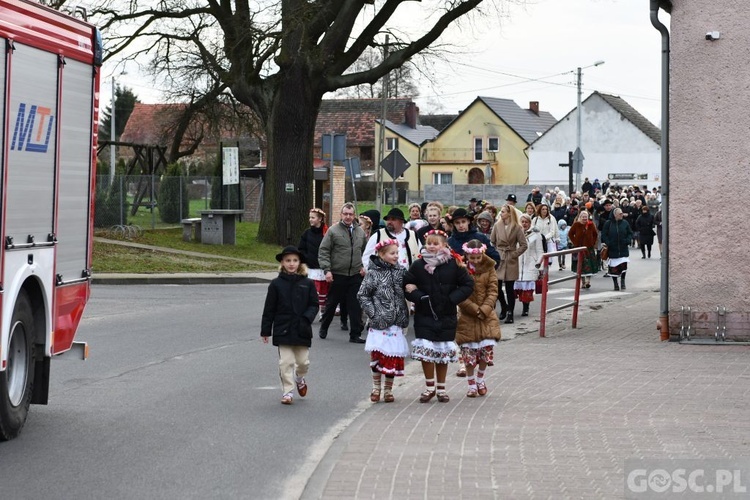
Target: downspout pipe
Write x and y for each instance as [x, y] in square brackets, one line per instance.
[664, 289]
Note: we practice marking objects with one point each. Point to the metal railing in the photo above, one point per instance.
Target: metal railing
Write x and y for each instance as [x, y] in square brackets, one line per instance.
[546, 283]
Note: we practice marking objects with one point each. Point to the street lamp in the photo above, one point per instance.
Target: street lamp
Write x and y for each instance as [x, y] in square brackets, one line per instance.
[577, 157]
[112, 135]
[112, 139]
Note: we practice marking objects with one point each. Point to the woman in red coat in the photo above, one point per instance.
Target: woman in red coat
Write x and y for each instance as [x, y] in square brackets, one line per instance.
[583, 233]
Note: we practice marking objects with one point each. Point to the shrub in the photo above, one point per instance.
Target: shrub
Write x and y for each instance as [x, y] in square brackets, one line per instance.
[173, 196]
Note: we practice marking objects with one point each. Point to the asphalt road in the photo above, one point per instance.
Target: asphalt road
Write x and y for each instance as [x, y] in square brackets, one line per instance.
[180, 398]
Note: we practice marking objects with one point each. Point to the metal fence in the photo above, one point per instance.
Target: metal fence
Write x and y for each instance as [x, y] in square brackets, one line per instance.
[159, 201]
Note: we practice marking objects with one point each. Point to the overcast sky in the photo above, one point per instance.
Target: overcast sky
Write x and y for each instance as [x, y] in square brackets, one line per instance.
[547, 40]
[531, 54]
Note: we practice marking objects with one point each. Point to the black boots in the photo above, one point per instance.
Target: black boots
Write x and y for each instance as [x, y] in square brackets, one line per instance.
[622, 281]
[525, 309]
[503, 311]
[501, 298]
[509, 318]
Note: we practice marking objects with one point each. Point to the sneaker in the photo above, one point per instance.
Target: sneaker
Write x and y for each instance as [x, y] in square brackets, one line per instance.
[302, 388]
[427, 395]
[472, 393]
[287, 399]
[481, 388]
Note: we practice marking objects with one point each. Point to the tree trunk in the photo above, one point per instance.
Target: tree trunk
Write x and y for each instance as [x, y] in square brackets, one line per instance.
[290, 134]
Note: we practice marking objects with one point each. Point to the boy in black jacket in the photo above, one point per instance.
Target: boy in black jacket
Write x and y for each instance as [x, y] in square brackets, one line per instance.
[290, 309]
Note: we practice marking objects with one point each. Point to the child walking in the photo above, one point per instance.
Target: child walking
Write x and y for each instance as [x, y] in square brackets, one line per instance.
[290, 309]
[436, 283]
[478, 327]
[563, 231]
[529, 263]
[381, 296]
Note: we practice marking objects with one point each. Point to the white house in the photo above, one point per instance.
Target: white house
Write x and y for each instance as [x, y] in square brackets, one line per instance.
[618, 143]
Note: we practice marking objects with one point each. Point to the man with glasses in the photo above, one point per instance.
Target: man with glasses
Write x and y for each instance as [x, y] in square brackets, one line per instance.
[340, 257]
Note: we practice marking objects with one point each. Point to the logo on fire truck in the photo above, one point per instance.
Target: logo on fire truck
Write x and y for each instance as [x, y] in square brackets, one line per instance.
[27, 137]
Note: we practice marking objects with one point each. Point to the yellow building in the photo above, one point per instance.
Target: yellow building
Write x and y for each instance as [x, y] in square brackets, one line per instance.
[485, 144]
[408, 138]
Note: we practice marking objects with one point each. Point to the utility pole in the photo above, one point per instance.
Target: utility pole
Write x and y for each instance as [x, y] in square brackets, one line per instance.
[381, 139]
[112, 136]
[579, 164]
[577, 167]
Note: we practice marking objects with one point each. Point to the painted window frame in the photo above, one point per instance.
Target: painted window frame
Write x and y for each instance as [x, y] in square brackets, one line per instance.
[489, 144]
[391, 143]
[439, 176]
[478, 150]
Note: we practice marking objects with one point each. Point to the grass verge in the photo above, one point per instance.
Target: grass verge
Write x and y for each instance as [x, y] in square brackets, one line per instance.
[251, 255]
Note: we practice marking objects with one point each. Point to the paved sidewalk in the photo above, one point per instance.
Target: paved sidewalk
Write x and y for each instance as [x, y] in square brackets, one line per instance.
[562, 416]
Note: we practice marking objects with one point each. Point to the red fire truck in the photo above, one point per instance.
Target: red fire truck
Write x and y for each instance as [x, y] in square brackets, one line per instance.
[49, 105]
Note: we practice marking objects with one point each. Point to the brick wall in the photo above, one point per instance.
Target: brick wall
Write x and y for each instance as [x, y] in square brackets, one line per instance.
[253, 191]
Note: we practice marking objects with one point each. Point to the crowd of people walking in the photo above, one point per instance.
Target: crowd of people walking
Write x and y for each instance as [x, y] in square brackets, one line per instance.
[447, 268]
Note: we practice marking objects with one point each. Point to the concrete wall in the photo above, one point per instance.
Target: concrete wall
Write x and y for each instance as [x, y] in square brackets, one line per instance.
[610, 145]
[710, 163]
[458, 194]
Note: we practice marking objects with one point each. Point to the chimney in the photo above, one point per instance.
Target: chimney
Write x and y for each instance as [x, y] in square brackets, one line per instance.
[534, 107]
[411, 113]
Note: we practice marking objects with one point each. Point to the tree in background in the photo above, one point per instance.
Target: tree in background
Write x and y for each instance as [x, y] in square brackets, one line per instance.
[125, 101]
[279, 58]
[173, 195]
[401, 82]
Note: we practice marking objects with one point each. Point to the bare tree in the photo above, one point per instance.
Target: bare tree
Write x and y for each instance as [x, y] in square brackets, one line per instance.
[277, 57]
[401, 82]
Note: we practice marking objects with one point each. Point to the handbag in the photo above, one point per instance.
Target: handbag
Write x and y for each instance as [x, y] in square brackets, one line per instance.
[538, 284]
[604, 253]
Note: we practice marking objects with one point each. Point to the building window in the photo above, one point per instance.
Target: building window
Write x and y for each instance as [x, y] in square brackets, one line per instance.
[478, 153]
[391, 143]
[440, 178]
[365, 153]
[493, 144]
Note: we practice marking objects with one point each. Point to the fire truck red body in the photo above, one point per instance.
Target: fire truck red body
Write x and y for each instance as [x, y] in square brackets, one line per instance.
[49, 108]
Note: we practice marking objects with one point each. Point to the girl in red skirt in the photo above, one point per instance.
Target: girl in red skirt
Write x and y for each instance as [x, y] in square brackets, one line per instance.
[382, 298]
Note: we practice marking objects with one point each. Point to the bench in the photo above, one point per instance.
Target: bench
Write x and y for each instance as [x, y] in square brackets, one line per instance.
[191, 229]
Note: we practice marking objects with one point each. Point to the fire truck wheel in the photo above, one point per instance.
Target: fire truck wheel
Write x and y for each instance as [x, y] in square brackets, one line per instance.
[17, 381]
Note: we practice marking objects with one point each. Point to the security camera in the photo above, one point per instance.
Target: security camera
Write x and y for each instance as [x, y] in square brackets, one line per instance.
[713, 35]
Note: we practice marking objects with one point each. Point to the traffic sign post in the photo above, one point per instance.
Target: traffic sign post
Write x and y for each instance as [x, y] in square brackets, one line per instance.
[395, 164]
[569, 166]
[333, 148]
[354, 172]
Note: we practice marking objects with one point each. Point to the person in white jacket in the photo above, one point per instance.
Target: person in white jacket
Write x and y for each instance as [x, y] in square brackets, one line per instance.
[546, 224]
[529, 263]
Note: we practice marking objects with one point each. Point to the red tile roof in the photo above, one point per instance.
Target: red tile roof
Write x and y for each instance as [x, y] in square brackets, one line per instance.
[152, 123]
[356, 118]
